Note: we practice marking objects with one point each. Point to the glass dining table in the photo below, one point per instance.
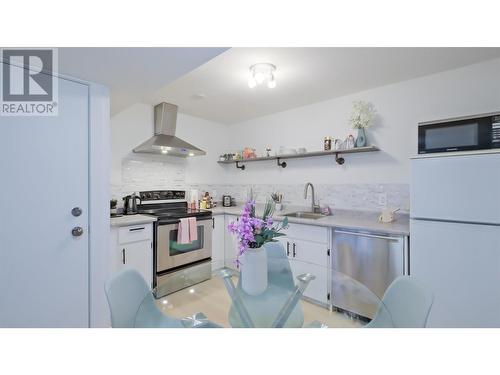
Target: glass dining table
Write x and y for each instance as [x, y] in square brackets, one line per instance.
[291, 299]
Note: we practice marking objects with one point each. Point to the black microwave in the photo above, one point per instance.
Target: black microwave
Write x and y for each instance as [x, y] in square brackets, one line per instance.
[481, 132]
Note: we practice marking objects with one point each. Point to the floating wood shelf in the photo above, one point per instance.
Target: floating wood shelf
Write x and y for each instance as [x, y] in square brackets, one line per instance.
[283, 164]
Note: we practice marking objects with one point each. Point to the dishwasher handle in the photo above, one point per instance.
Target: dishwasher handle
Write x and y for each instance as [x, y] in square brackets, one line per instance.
[389, 238]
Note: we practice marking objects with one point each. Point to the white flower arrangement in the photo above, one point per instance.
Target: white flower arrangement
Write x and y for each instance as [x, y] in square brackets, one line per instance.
[362, 115]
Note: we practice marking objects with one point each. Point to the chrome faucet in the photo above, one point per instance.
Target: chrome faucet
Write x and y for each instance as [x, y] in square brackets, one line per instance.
[314, 206]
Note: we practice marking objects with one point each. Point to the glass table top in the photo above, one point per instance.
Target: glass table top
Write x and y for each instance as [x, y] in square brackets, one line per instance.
[292, 298]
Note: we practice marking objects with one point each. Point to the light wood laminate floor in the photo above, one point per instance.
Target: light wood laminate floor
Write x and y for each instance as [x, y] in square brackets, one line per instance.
[211, 298]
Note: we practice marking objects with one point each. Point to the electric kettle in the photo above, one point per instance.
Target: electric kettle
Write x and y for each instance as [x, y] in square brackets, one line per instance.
[130, 205]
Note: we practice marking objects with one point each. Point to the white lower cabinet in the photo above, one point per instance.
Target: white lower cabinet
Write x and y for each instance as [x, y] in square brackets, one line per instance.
[218, 244]
[231, 243]
[308, 249]
[317, 288]
[133, 248]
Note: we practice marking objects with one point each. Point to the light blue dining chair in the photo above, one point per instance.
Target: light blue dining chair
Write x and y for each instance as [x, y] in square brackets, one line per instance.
[132, 305]
[406, 304]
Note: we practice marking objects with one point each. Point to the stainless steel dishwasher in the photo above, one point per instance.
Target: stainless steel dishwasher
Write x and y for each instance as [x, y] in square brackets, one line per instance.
[373, 260]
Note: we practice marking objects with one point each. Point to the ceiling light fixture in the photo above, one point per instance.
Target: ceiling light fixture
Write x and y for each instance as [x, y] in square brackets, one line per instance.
[262, 73]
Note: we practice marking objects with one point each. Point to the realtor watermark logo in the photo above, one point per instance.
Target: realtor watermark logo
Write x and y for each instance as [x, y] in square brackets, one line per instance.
[29, 86]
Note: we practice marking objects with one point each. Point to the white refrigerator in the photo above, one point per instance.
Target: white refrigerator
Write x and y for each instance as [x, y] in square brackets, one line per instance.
[455, 237]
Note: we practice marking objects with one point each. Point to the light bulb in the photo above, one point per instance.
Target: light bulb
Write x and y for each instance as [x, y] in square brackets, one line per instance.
[164, 150]
[191, 154]
[271, 83]
[259, 77]
[251, 82]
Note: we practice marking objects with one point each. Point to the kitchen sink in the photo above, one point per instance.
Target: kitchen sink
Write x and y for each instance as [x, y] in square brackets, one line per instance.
[305, 215]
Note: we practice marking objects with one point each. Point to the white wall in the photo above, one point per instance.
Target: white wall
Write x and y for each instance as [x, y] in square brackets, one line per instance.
[131, 172]
[357, 184]
[469, 90]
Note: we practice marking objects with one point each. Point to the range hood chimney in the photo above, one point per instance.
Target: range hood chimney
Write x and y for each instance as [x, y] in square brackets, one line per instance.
[164, 141]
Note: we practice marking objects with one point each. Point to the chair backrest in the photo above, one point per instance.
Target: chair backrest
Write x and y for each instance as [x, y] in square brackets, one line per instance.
[278, 264]
[408, 304]
[125, 292]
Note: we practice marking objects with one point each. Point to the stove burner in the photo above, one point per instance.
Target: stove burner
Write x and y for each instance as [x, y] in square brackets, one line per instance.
[167, 205]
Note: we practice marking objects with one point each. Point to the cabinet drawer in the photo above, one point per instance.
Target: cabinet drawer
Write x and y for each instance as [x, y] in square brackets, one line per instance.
[306, 251]
[307, 232]
[135, 233]
[311, 252]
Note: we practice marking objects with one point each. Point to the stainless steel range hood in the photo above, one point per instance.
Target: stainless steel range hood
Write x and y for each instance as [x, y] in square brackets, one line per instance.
[164, 141]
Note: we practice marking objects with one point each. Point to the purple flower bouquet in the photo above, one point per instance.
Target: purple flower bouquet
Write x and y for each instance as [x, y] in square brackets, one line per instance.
[253, 232]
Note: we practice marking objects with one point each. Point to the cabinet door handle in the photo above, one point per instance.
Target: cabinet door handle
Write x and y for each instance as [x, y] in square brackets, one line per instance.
[213, 223]
[294, 252]
[287, 248]
[123, 256]
[136, 229]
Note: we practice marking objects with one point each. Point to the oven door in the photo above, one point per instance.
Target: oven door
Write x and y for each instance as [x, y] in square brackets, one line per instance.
[171, 254]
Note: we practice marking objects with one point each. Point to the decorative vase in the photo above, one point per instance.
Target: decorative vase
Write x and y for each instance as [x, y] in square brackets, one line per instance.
[361, 139]
[254, 271]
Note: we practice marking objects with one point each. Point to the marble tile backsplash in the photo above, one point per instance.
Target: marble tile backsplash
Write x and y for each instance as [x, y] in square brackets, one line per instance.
[148, 174]
[366, 197]
[141, 174]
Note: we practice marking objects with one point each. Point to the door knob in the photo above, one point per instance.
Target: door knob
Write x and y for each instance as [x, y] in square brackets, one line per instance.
[76, 211]
[77, 231]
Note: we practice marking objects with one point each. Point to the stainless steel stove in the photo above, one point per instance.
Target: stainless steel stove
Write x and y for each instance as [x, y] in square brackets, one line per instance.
[177, 266]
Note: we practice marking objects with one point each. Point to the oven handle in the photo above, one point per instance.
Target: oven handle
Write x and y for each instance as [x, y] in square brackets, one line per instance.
[178, 221]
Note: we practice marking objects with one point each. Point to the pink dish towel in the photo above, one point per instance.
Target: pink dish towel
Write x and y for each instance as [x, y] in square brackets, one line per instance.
[183, 232]
[193, 229]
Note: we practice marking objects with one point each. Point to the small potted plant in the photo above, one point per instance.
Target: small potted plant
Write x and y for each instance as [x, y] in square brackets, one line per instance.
[253, 233]
[361, 118]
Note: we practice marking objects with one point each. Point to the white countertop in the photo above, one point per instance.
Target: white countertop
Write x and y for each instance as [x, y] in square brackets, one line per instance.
[345, 219]
[126, 220]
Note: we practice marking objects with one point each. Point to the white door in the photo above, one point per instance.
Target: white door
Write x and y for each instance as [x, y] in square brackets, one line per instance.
[44, 270]
[460, 263]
